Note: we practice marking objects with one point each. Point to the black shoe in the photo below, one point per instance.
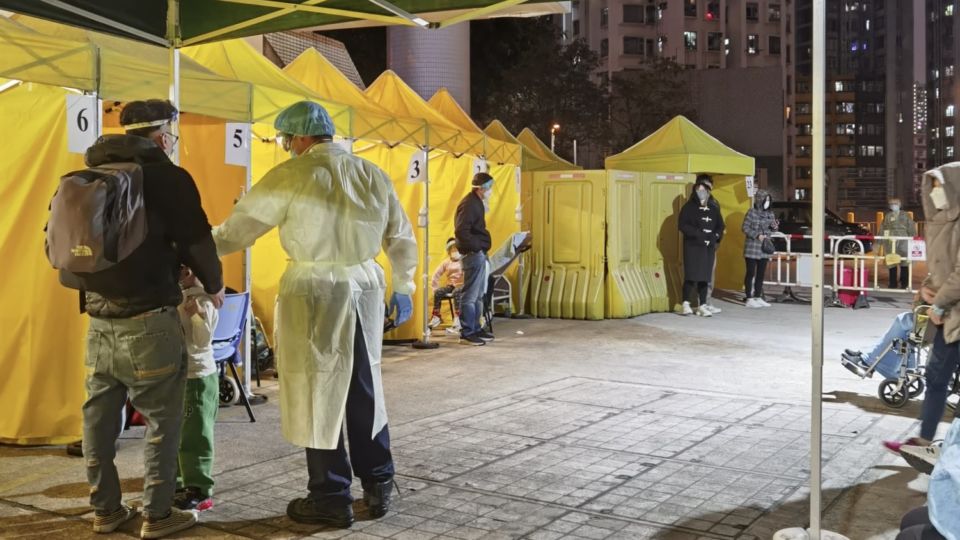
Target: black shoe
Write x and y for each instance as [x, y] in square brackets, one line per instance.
[472, 340]
[377, 496]
[310, 511]
[192, 499]
[486, 336]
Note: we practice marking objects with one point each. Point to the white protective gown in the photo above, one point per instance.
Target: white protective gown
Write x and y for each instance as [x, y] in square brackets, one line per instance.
[335, 212]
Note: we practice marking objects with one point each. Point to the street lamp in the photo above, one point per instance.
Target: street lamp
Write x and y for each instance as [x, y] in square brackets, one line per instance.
[553, 135]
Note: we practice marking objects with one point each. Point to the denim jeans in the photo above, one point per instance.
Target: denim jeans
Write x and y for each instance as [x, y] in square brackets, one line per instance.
[143, 357]
[329, 471]
[889, 366]
[471, 299]
[943, 361]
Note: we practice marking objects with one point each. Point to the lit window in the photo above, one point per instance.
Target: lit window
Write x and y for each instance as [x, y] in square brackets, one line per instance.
[949, 10]
[838, 86]
[690, 40]
[773, 12]
[948, 131]
[949, 151]
[726, 46]
[949, 110]
[948, 71]
[753, 44]
[661, 43]
[868, 24]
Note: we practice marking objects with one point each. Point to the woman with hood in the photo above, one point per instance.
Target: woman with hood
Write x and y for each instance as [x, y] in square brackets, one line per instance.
[757, 226]
[702, 228]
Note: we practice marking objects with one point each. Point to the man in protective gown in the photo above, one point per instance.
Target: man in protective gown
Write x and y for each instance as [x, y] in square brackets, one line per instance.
[335, 212]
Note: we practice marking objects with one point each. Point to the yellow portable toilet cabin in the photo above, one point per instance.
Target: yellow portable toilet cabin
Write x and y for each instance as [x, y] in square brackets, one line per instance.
[669, 160]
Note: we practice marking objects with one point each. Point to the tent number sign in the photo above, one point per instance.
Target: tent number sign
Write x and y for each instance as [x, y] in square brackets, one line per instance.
[417, 170]
[237, 144]
[83, 121]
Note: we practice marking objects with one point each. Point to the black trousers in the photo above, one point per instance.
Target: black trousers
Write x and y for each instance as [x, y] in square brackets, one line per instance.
[892, 277]
[329, 470]
[753, 281]
[695, 290]
[916, 525]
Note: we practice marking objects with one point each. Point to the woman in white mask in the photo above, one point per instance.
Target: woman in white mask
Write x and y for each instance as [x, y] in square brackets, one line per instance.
[896, 222]
[702, 228]
[757, 226]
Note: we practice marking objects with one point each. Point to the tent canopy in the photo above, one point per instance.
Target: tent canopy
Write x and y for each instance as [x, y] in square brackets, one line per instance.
[505, 147]
[681, 146]
[273, 90]
[39, 51]
[370, 120]
[537, 156]
[202, 21]
[495, 150]
[391, 93]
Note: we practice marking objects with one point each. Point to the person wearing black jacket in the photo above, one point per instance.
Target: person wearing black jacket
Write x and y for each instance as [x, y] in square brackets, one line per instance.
[135, 346]
[473, 242]
[702, 228]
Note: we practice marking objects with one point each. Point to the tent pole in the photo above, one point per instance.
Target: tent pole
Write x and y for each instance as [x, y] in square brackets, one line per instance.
[425, 342]
[173, 28]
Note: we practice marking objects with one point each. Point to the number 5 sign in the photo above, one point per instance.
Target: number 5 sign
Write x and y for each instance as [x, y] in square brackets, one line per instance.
[237, 149]
[83, 122]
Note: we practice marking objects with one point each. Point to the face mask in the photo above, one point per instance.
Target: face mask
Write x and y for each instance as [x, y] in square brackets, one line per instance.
[703, 195]
[939, 198]
[894, 208]
[766, 204]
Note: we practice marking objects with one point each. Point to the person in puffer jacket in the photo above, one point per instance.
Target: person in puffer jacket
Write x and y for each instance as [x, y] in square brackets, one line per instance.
[757, 225]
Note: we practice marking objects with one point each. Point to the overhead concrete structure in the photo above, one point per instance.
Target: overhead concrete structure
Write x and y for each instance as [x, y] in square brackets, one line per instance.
[433, 59]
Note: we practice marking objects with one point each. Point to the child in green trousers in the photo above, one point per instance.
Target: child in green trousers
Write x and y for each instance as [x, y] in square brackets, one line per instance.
[201, 400]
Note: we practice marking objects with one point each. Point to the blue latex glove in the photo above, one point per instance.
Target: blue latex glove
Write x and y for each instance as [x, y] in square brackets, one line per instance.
[403, 306]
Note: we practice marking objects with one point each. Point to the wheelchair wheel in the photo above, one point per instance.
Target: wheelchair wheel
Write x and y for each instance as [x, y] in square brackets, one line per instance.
[893, 394]
[915, 387]
[229, 393]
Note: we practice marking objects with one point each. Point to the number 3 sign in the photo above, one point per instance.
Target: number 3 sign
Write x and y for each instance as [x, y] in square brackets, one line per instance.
[83, 122]
[237, 149]
[417, 170]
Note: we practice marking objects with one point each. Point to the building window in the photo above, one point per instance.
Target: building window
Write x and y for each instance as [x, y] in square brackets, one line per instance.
[604, 17]
[651, 17]
[773, 44]
[803, 151]
[803, 108]
[714, 41]
[804, 129]
[689, 8]
[753, 11]
[845, 107]
[576, 27]
[753, 44]
[713, 11]
[649, 48]
[846, 129]
[690, 41]
[948, 131]
[726, 46]
[948, 151]
[661, 43]
[632, 45]
[949, 110]
[948, 71]
[604, 48]
[773, 12]
[847, 150]
[949, 10]
[633, 13]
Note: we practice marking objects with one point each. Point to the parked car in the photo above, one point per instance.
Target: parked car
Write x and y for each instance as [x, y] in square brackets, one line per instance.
[794, 217]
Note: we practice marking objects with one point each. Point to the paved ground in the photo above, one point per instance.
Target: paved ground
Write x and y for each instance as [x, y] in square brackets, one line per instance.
[657, 427]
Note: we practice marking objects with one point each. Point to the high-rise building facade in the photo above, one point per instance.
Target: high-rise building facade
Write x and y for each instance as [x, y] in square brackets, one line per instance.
[943, 93]
[870, 103]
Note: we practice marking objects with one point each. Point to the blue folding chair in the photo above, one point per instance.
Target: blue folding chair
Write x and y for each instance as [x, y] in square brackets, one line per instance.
[227, 337]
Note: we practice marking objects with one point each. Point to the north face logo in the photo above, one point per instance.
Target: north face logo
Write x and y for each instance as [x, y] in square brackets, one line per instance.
[81, 251]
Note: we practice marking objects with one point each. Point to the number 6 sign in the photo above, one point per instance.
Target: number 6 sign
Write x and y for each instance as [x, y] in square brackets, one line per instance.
[83, 121]
[237, 149]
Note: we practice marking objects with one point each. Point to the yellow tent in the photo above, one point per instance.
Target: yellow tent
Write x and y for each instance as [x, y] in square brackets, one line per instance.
[370, 121]
[495, 150]
[680, 146]
[537, 156]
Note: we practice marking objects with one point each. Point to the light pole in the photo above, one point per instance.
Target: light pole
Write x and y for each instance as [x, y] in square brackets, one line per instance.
[553, 136]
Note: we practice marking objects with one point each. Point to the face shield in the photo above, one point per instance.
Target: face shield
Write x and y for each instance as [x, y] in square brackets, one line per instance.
[284, 140]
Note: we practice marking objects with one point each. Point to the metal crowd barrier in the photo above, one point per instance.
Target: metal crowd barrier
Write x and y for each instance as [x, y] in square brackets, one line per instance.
[791, 270]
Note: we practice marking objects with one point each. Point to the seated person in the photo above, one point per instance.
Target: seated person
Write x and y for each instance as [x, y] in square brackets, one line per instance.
[889, 365]
[940, 519]
[452, 270]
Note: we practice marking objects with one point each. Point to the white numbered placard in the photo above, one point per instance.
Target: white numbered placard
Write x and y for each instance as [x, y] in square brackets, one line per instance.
[237, 149]
[83, 122]
[417, 169]
[918, 250]
[751, 187]
[480, 165]
[518, 175]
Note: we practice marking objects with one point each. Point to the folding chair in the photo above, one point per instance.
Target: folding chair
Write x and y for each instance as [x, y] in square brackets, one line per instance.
[499, 290]
[227, 337]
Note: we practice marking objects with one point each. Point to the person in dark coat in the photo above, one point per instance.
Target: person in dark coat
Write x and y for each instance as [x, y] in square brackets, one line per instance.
[758, 224]
[702, 228]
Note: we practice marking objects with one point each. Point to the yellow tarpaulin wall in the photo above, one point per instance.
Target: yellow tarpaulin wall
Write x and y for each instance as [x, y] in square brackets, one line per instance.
[680, 146]
[41, 346]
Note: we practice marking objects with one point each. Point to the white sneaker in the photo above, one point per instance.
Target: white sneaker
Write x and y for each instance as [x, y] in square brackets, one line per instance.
[702, 311]
[687, 310]
[713, 309]
[453, 330]
[435, 322]
[177, 521]
[762, 302]
[753, 304]
[921, 458]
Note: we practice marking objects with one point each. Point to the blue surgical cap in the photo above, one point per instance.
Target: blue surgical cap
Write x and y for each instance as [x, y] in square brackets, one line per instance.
[305, 118]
